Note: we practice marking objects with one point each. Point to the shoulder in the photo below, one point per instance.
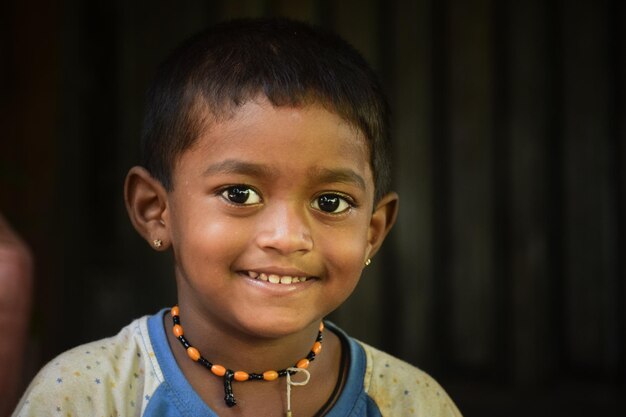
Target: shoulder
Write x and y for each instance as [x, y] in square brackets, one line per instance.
[399, 388]
[112, 375]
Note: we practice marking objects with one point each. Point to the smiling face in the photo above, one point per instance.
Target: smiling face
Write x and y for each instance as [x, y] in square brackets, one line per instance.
[271, 218]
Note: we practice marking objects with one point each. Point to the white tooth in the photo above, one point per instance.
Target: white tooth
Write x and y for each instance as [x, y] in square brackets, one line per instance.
[295, 279]
[274, 279]
[303, 279]
[285, 280]
[253, 274]
[262, 277]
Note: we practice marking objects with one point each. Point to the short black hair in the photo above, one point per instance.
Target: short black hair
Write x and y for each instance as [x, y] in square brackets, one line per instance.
[289, 62]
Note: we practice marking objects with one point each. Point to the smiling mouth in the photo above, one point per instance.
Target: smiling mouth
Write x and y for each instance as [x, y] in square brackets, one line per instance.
[276, 279]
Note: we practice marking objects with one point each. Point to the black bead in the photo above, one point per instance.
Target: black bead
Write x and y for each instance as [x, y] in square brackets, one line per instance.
[229, 398]
[184, 342]
[205, 362]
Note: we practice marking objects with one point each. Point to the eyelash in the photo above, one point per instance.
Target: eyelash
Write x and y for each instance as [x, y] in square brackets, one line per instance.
[227, 194]
[349, 202]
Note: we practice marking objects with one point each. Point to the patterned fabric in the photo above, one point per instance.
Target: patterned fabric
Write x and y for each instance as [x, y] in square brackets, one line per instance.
[134, 374]
[400, 389]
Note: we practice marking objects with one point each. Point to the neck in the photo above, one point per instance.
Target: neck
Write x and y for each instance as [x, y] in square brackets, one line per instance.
[240, 351]
[234, 349]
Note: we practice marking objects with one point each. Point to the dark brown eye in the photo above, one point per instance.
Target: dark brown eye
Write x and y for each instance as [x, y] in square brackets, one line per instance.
[331, 203]
[241, 194]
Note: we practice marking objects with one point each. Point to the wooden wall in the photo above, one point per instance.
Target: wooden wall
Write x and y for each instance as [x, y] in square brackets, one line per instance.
[505, 277]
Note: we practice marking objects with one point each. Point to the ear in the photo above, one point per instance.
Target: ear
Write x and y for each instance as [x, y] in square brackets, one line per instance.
[146, 203]
[382, 220]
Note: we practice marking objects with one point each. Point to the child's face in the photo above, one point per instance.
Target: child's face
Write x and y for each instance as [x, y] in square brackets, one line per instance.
[273, 193]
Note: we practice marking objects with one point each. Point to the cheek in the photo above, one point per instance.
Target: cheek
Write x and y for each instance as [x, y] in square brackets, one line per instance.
[207, 242]
[345, 251]
[345, 265]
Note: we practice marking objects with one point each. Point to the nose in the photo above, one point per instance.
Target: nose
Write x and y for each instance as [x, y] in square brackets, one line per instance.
[284, 228]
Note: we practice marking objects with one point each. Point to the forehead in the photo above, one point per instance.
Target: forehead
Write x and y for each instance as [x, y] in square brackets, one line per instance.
[281, 136]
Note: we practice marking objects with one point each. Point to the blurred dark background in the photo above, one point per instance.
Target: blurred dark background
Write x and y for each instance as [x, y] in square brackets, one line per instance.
[505, 276]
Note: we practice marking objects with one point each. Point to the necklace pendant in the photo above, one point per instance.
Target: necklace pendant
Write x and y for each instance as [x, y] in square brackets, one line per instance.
[229, 397]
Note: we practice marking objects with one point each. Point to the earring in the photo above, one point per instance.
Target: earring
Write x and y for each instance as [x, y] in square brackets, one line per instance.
[157, 243]
[368, 262]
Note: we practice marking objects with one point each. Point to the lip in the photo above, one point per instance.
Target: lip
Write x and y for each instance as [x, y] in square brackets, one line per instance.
[276, 270]
[278, 289]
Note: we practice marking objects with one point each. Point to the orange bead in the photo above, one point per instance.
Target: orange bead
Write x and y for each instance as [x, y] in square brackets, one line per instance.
[193, 353]
[321, 326]
[178, 330]
[175, 311]
[317, 348]
[241, 376]
[270, 375]
[303, 363]
[218, 370]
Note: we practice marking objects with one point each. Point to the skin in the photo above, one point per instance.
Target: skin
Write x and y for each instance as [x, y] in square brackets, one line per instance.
[287, 160]
[16, 281]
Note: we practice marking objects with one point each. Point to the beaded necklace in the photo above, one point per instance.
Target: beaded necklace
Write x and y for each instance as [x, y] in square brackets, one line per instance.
[241, 376]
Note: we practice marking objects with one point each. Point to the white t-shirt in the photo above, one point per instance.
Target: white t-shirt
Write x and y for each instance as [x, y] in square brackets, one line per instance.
[135, 374]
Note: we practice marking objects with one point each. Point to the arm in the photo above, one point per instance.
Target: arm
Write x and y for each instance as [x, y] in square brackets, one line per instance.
[16, 280]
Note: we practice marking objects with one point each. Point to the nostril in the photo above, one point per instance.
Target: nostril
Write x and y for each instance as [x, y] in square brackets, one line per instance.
[285, 241]
[285, 228]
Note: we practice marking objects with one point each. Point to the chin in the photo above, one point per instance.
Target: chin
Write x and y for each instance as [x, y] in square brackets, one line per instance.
[274, 328]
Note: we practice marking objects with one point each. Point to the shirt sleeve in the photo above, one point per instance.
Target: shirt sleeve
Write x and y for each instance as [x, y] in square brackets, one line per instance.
[399, 388]
[103, 378]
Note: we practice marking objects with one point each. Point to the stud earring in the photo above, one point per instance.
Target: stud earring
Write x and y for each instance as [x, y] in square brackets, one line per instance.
[157, 243]
[368, 262]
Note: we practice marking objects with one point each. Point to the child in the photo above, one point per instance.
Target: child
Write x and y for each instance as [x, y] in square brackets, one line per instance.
[265, 171]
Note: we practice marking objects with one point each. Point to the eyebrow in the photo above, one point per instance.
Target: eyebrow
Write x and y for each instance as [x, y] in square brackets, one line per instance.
[342, 175]
[235, 166]
[322, 175]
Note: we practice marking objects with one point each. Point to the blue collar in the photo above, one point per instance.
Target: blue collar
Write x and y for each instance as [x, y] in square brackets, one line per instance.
[191, 403]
